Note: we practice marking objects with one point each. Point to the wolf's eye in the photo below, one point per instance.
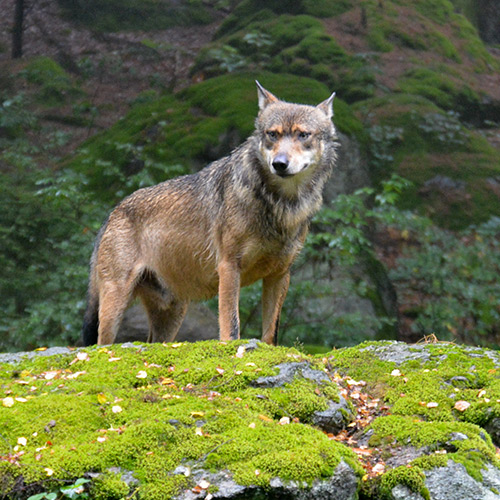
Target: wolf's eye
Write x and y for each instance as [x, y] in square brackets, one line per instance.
[304, 135]
[272, 134]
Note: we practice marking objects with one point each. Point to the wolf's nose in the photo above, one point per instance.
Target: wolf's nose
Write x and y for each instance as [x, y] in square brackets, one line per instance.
[280, 164]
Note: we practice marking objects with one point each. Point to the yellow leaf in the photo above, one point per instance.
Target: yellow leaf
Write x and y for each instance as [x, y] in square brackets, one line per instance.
[101, 398]
[41, 349]
[265, 418]
[197, 414]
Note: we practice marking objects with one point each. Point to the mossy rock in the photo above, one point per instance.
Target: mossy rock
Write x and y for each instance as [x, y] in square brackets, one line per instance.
[246, 10]
[157, 419]
[296, 44]
[153, 408]
[412, 136]
[175, 134]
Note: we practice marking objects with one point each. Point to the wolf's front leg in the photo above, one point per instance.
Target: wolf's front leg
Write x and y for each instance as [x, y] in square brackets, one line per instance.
[274, 290]
[229, 292]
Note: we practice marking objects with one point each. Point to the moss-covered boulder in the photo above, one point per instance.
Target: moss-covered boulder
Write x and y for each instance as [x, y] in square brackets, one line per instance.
[240, 420]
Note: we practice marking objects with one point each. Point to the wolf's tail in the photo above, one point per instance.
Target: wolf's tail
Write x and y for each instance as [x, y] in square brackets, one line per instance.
[91, 320]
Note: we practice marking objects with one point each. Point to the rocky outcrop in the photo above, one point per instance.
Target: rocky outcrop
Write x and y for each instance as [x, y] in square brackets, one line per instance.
[247, 421]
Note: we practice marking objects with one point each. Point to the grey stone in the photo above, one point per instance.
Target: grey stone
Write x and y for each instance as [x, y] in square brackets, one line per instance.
[342, 485]
[335, 418]
[200, 323]
[454, 483]
[491, 477]
[399, 352]
[402, 492]
[287, 372]
[11, 357]
[493, 429]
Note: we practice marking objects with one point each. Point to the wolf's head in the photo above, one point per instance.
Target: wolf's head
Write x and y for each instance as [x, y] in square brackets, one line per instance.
[293, 137]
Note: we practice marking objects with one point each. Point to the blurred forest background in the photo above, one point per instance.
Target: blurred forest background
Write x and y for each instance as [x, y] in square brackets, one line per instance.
[101, 97]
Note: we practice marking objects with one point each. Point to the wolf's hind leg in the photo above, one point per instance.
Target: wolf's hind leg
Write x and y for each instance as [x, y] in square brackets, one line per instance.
[114, 298]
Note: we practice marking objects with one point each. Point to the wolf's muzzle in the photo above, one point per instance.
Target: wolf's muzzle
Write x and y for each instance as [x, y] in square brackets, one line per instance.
[280, 164]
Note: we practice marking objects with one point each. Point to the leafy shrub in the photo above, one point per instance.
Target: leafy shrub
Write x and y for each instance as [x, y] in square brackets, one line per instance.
[449, 282]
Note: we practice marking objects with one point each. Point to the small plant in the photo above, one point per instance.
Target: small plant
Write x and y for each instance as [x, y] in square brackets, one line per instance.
[74, 491]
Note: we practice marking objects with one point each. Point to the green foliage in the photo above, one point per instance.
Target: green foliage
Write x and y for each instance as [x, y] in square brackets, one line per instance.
[451, 280]
[46, 228]
[75, 490]
[14, 118]
[54, 83]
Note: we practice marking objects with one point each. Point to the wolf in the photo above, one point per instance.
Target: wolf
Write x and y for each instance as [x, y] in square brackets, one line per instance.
[241, 219]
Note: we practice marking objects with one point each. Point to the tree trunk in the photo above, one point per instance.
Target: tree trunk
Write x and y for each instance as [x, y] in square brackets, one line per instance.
[17, 30]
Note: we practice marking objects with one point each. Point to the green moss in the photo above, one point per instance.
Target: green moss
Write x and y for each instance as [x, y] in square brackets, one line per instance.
[54, 83]
[194, 404]
[245, 12]
[109, 487]
[412, 477]
[413, 137]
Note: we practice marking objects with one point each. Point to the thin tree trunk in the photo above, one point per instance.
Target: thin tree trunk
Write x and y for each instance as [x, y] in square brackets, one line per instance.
[17, 30]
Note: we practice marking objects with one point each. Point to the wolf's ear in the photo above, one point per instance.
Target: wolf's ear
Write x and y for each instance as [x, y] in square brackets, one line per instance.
[327, 106]
[265, 97]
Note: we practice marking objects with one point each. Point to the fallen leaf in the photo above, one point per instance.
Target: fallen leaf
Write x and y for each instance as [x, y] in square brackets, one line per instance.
[252, 425]
[203, 484]
[22, 441]
[50, 375]
[101, 439]
[378, 468]
[265, 418]
[48, 471]
[116, 409]
[21, 400]
[112, 360]
[83, 356]
[101, 398]
[219, 370]
[461, 405]
[432, 405]
[141, 374]
[8, 402]
[396, 373]
[241, 351]
[197, 414]
[198, 431]
[284, 421]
